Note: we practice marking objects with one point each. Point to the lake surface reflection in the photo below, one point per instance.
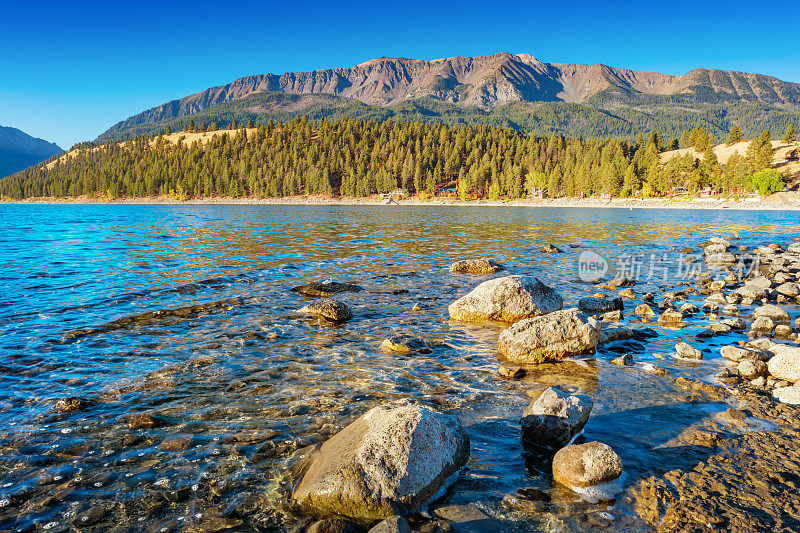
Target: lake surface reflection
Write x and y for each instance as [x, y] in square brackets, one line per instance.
[197, 385]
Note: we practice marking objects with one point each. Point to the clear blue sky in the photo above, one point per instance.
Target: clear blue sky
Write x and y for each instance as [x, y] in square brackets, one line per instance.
[69, 70]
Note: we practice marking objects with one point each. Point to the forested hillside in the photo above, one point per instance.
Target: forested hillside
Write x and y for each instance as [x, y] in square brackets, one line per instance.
[358, 158]
[609, 114]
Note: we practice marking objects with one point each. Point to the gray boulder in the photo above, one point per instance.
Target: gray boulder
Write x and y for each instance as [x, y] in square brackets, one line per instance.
[550, 338]
[554, 418]
[507, 299]
[393, 460]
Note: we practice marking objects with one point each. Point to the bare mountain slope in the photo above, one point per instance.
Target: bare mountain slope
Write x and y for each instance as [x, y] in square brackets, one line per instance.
[484, 81]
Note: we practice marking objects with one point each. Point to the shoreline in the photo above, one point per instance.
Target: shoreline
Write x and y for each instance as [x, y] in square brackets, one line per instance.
[777, 202]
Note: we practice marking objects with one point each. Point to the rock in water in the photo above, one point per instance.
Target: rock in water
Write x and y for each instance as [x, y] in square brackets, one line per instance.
[687, 351]
[554, 418]
[585, 465]
[404, 344]
[550, 338]
[326, 288]
[785, 364]
[329, 309]
[773, 312]
[476, 266]
[551, 249]
[393, 460]
[507, 299]
[594, 305]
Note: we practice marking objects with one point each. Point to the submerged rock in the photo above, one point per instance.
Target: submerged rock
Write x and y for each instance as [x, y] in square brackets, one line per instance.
[554, 418]
[405, 344]
[586, 465]
[476, 266]
[550, 338]
[331, 310]
[551, 249]
[507, 299]
[71, 404]
[393, 460]
[324, 289]
[593, 305]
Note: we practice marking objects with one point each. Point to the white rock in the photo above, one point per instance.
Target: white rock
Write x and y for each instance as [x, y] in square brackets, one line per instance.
[507, 299]
[785, 364]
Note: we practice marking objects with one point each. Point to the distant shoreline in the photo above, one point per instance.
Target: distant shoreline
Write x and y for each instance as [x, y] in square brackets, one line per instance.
[776, 202]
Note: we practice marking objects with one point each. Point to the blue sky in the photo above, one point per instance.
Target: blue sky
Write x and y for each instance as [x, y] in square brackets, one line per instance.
[69, 70]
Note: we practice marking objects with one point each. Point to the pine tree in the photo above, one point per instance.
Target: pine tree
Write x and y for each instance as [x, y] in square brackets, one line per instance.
[734, 136]
[788, 136]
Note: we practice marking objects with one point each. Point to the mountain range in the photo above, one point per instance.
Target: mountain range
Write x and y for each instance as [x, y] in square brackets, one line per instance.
[502, 89]
[19, 150]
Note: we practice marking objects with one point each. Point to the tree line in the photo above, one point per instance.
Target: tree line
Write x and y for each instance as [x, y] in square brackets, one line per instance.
[352, 157]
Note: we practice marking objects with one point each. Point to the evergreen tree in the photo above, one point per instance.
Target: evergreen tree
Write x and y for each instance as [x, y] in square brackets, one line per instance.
[734, 136]
[788, 136]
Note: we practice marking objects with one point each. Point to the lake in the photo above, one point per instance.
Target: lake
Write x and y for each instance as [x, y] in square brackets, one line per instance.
[198, 386]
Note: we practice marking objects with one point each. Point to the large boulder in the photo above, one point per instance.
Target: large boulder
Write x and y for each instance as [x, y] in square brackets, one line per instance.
[507, 299]
[554, 418]
[476, 266]
[794, 248]
[393, 460]
[586, 465]
[550, 338]
[323, 289]
[785, 364]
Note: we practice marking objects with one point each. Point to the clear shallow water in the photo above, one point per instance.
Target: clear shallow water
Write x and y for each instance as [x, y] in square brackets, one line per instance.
[246, 384]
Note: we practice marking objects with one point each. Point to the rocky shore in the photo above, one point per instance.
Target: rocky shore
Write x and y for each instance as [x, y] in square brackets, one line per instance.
[399, 458]
[390, 463]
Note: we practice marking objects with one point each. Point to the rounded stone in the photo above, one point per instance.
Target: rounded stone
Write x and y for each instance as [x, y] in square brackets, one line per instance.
[585, 465]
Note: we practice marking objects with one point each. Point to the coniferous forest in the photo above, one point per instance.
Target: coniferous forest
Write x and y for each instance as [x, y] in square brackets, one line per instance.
[351, 157]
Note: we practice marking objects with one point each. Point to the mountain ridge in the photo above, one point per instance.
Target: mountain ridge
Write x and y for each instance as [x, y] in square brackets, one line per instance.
[485, 82]
[19, 150]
